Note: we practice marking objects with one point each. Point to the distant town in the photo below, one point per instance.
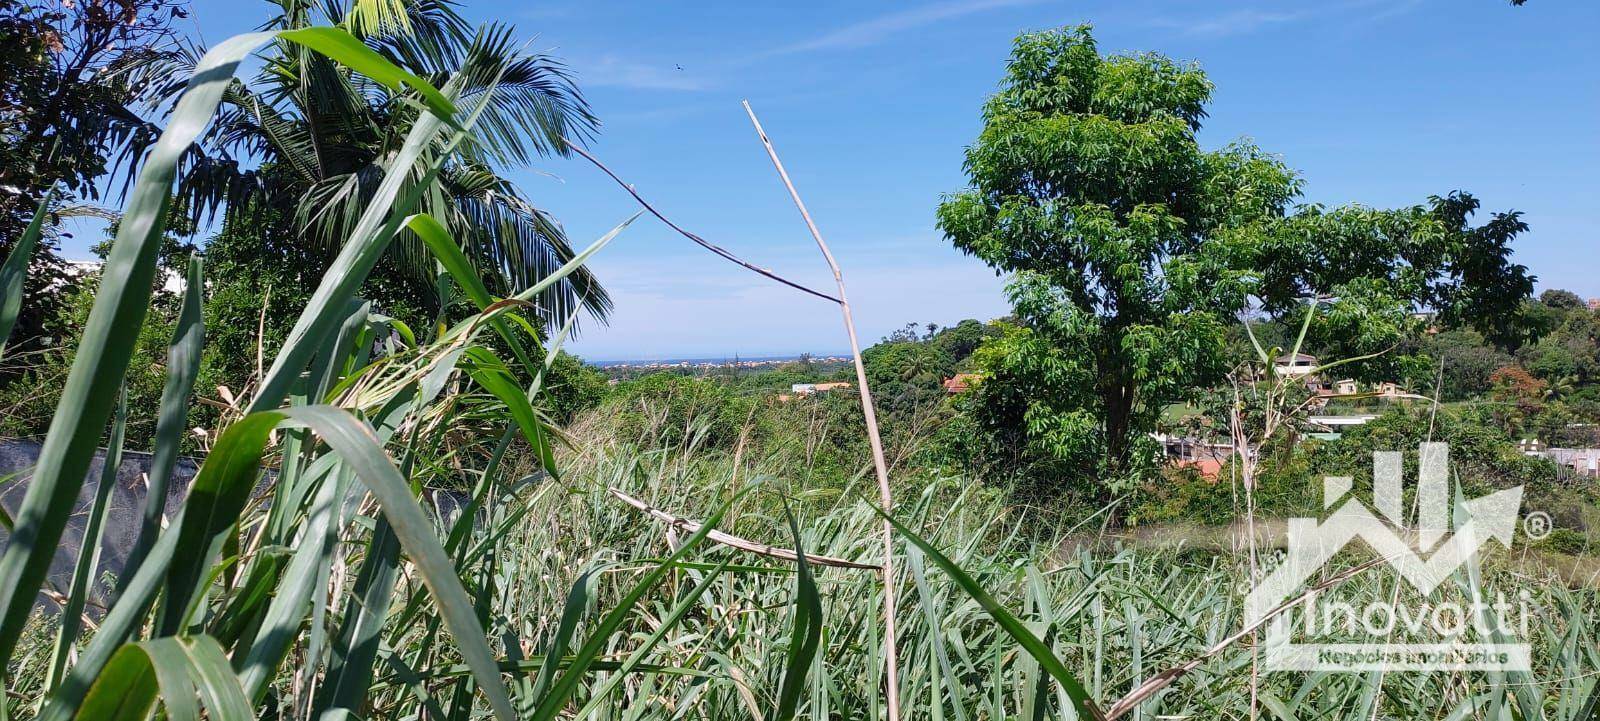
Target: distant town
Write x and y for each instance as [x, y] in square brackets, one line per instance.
[734, 366]
[718, 363]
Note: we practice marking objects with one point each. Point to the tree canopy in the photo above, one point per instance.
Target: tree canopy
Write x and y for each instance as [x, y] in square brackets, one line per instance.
[1134, 249]
[75, 80]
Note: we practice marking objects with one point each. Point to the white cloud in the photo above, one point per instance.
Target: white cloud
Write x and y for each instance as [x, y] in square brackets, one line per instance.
[1241, 21]
[614, 71]
[875, 30]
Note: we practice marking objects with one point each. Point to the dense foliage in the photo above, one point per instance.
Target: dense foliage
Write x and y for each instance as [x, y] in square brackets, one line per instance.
[298, 150]
[76, 76]
[410, 503]
[1134, 248]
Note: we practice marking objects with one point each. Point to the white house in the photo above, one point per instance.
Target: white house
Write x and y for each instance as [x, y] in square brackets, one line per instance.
[1298, 364]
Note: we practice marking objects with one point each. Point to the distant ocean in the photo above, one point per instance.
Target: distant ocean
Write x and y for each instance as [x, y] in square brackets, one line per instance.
[712, 359]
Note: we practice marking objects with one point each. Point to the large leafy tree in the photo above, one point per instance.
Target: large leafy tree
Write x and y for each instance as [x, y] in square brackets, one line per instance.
[297, 151]
[1134, 249]
[73, 80]
[1088, 183]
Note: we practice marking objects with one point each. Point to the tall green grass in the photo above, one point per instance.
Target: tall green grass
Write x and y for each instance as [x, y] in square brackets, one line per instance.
[312, 573]
[1111, 617]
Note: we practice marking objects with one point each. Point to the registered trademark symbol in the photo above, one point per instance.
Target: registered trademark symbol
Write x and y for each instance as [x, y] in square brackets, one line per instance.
[1537, 525]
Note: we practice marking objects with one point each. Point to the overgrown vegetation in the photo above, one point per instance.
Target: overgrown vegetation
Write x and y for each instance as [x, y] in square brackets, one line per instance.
[1134, 249]
[412, 504]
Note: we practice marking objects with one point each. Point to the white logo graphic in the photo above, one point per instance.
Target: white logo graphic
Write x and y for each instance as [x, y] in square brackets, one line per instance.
[1382, 633]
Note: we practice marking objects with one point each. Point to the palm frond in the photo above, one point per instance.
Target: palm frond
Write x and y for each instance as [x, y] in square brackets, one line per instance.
[321, 138]
[534, 103]
[516, 244]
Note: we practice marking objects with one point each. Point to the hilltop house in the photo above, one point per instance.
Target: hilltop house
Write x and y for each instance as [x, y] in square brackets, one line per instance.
[1304, 366]
[801, 390]
[1207, 457]
[1296, 364]
[960, 382]
[1580, 461]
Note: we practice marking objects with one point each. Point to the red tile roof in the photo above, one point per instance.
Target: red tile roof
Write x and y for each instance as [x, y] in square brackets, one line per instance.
[960, 383]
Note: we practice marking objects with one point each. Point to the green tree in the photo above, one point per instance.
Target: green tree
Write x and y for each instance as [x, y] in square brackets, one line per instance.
[1089, 184]
[1562, 299]
[73, 79]
[1375, 267]
[1569, 344]
[902, 373]
[572, 387]
[259, 282]
[1468, 361]
[1134, 249]
[960, 340]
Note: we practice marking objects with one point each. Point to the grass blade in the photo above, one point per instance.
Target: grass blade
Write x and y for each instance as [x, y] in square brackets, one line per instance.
[1007, 622]
[88, 563]
[15, 270]
[668, 622]
[931, 611]
[460, 269]
[107, 344]
[125, 690]
[350, 670]
[292, 589]
[328, 305]
[577, 261]
[356, 445]
[571, 614]
[489, 372]
[216, 497]
[214, 678]
[553, 701]
[806, 633]
[183, 366]
[344, 48]
[180, 671]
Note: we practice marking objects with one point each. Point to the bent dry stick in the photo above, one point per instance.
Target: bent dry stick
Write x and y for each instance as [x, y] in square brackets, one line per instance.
[879, 465]
[732, 541]
[702, 242]
[886, 497]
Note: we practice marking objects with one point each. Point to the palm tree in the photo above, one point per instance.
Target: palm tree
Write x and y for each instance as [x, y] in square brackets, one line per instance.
[300, 148]
[1561, 388]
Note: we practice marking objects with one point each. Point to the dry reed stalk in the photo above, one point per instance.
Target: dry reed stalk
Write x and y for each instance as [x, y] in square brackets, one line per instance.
[886, 497]
[1166, 678]
[732, 541]
[891, 680]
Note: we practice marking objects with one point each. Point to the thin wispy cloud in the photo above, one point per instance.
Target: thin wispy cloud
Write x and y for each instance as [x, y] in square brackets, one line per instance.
[615, 71]
[878, 29]
[1242, 21]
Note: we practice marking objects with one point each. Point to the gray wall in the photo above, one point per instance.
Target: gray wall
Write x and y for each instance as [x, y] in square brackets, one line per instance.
[17, 458]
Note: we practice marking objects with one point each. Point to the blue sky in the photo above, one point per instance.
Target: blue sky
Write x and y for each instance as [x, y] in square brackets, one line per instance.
[871, 105]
